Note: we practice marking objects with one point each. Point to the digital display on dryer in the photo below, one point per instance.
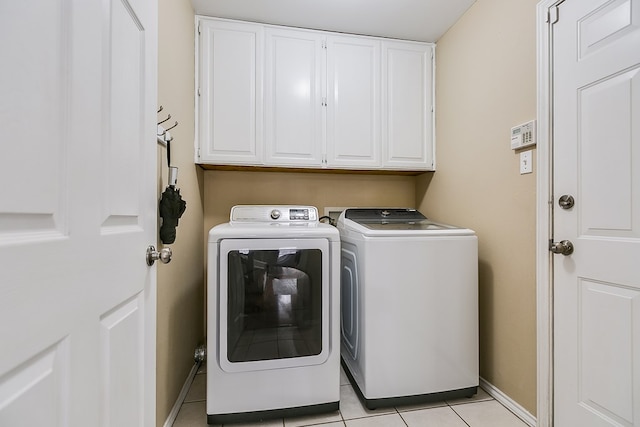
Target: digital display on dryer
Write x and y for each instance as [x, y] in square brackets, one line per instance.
[299, 214]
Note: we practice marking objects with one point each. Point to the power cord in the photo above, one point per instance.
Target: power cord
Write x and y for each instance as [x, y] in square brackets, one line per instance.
[330, 220]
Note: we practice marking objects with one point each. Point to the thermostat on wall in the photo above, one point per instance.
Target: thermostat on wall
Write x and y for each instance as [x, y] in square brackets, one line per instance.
[523, 135]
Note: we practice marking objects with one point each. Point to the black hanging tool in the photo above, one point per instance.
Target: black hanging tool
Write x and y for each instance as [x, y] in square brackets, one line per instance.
[171, 205]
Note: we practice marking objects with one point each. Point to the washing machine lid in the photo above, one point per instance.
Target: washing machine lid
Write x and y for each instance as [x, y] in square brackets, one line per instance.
[394, 221]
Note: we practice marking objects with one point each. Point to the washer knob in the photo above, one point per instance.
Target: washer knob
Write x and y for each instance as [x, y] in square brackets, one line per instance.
[275, 214]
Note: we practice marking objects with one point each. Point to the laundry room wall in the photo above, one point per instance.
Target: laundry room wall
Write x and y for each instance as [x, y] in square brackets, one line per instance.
[224, 189]
[486, 84]
[180, 315]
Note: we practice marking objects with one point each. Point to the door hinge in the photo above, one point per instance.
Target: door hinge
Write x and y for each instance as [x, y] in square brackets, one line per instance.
[324, 44]
[198, 91]
[324, 101]
[198, 28]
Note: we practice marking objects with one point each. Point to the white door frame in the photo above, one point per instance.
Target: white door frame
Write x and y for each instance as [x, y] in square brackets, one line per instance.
[544, 223]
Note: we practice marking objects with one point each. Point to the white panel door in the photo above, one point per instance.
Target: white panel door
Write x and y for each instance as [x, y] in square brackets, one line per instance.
[230, 102]
[407, 100]
[596, 154]
[294, 78]
[353, 102]
[78, 209]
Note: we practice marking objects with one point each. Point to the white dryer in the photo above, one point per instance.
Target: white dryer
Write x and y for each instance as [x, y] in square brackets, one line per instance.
[273, 315]
[409, 307]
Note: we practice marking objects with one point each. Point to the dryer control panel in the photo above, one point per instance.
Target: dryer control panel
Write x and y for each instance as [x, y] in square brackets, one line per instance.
[275, 213]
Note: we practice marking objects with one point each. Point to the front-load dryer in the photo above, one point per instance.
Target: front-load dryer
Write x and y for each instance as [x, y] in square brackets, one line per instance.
[273, 315]
[409, 307]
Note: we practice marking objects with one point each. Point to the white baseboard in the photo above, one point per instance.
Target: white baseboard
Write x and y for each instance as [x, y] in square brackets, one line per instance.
[171, 418]
[508, 402]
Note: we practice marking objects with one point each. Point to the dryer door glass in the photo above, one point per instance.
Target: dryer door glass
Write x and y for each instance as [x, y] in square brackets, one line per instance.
[274, 304]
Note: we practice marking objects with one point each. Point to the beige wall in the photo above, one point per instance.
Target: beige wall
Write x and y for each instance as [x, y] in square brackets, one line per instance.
[224, 189]
[485, 84]
[181, 282]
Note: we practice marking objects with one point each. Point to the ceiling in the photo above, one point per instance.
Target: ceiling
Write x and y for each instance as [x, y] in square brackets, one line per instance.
[421, 20]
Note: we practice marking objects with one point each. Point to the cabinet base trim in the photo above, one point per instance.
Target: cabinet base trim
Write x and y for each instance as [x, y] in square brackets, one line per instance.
[312, 170]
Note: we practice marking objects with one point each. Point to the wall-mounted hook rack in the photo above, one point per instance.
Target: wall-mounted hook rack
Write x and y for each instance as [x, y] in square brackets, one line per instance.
[164, 137]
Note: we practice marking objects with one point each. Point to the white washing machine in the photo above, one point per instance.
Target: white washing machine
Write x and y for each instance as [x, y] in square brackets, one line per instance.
[409, 307]
[273, 315]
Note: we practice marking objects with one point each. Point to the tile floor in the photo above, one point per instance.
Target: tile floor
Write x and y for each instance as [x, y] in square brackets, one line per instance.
[479, 411]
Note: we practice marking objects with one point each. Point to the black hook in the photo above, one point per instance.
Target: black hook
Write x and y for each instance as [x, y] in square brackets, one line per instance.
[168, 118]
[160, 109]
[169, 128]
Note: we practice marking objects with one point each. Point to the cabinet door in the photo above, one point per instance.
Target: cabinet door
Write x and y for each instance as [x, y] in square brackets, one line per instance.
[294, 75]
[353, 102]
[230, 105]
[407, 99]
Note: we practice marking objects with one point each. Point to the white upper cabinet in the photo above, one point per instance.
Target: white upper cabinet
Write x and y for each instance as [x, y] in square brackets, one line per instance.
[293, 101]
[353, 102]
[230, 104]
[407, 106]
[285, 97]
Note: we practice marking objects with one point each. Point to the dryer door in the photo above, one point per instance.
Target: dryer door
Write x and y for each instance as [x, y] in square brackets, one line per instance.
[349, 301]
[273, 306]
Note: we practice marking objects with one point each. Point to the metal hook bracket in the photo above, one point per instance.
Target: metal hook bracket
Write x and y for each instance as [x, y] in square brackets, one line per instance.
[171, 127]
[167, 119]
